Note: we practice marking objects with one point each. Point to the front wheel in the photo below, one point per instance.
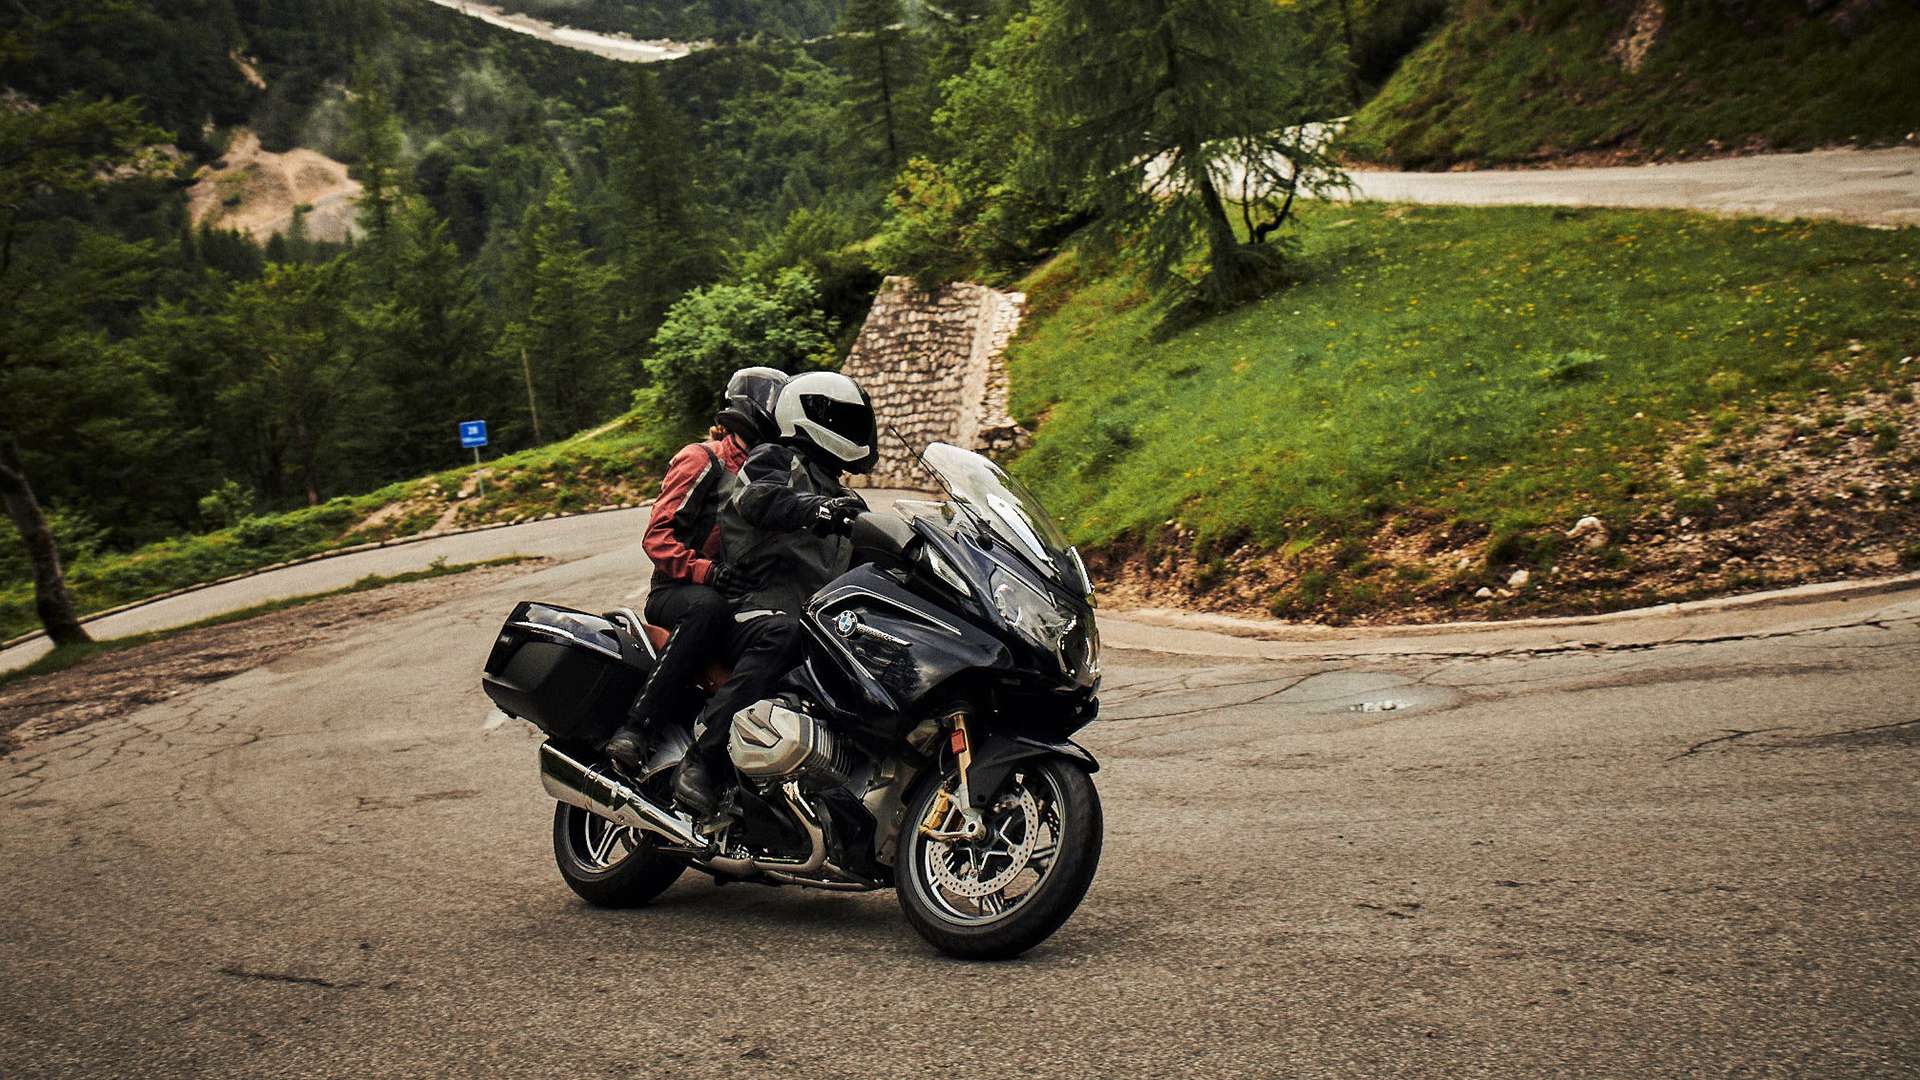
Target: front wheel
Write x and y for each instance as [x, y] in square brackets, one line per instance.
[999, 896]
[609, 865]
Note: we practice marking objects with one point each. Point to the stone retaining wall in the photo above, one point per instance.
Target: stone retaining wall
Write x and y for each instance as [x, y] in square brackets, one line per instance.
[933, 362]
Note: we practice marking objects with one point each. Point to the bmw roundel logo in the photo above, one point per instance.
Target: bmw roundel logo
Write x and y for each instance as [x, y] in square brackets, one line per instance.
[845, 622]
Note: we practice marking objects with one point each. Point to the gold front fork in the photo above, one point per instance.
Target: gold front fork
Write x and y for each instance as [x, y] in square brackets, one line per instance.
[944, 801]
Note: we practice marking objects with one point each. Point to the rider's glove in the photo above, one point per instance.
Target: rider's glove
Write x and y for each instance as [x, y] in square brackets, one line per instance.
[836, 515]
[729, 582]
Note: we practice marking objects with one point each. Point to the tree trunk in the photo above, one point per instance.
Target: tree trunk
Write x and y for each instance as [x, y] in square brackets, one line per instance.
[51, 600]
[533, 408]
[886, 105]
[309, 451]
[1353, 73]
[1222, 245]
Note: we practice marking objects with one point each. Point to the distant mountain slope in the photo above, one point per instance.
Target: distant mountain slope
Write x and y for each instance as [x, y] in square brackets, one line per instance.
[1514, 81]
[260, 193]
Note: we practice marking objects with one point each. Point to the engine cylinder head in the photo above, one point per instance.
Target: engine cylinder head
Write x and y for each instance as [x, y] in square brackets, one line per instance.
[772, 742]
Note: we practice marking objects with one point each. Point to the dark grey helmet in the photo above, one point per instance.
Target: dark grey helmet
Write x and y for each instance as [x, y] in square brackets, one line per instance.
[751, 394]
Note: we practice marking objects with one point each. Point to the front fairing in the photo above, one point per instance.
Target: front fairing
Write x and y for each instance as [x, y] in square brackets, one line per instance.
[888, 641]
[1067, 660]
[892, 645]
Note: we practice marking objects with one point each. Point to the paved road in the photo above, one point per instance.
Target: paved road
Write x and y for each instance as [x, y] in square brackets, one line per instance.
[611, 46]
[1874, 187]
[1541, 862]
[560, 538]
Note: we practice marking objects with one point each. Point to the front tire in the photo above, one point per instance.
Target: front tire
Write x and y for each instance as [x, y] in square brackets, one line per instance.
[1001, 896]
[609, 865]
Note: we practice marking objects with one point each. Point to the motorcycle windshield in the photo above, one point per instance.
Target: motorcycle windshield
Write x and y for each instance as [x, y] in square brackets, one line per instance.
[1005, 505]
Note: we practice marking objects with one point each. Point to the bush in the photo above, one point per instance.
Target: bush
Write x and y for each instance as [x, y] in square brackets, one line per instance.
[76, 535]
[709, 333]
[226, 505]
[927, 236]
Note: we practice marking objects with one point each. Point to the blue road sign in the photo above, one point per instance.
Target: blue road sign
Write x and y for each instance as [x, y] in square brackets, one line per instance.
[473, 433]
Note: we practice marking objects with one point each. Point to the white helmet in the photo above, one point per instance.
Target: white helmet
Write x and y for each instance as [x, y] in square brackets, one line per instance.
[829, 413]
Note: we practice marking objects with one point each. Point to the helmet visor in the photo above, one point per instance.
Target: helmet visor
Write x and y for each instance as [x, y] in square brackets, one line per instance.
[851, 420]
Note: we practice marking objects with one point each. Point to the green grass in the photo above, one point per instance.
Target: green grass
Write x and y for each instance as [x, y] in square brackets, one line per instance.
[66, 656]
[1514, 80]
[1500, 368]
[563, 477]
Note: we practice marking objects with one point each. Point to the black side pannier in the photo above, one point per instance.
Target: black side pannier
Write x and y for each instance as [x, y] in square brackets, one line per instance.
[571, 674]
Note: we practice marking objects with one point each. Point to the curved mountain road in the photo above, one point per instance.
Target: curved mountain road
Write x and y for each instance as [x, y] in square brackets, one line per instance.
[1682, 846]
[1868, 187]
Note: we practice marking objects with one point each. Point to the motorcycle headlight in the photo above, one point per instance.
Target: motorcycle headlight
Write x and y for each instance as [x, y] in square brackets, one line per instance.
[1031, 614]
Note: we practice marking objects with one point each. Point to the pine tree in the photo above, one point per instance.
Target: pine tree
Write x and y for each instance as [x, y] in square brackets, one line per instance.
[1167, 109]
[958, 29]
[73, 147]
[666, 239]
[293, 374]
[420, 342]
[560, 331]
[376, 140]
[879, 62]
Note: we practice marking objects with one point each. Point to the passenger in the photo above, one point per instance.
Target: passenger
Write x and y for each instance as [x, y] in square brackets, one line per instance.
[693, 591]
[786, 533]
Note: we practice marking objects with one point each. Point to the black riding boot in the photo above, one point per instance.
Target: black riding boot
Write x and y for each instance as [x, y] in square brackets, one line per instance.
[696, 781]
[624, 747]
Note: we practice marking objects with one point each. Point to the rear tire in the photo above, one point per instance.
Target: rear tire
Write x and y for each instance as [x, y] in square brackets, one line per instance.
[968, 928]
[606, 865]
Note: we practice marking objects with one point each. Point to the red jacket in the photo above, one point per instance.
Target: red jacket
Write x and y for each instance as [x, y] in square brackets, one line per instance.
[683, 535]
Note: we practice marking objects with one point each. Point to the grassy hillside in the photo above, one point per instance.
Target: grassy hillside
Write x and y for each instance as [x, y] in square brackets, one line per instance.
[1510, 81]
[1452, 388]
[617, 465]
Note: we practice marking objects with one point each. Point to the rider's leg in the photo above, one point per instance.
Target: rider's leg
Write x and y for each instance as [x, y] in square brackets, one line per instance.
[700, 620]
[764, 645]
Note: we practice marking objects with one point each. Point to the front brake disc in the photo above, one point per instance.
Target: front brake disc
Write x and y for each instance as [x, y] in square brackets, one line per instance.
[966, 881]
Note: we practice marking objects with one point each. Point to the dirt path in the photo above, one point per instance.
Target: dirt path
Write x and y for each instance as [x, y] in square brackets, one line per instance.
[1868, 187]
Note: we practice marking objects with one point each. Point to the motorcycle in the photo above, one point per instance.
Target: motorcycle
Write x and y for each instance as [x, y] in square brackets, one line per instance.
[923, 742]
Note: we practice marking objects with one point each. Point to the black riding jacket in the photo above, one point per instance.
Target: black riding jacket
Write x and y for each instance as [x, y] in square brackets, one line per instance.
[768, 529]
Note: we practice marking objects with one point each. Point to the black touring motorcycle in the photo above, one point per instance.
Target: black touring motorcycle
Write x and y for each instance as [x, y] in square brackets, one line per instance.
[922, 744]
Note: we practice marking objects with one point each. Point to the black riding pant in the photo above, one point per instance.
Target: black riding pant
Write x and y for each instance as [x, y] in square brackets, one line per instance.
[763, 646]
[699, 620]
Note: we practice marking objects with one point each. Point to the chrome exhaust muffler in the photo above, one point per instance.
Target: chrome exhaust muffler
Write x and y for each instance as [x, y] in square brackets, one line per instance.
[596, 790]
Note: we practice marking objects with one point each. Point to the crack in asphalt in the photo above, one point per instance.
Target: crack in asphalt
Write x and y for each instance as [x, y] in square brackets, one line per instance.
[1213, 707]
[1870, 728]
[283, 977]
[1731, 735]
[1600, 647]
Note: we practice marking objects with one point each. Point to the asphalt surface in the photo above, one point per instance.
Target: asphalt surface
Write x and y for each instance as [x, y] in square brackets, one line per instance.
[1869, 187]
[1662, 845]
[561, 538]
[610, 46]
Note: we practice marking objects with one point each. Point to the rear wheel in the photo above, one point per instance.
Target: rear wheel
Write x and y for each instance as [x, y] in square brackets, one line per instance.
[1001, 895]
[609, 865]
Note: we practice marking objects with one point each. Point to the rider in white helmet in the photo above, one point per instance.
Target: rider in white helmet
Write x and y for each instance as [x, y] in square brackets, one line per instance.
[785, 532]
